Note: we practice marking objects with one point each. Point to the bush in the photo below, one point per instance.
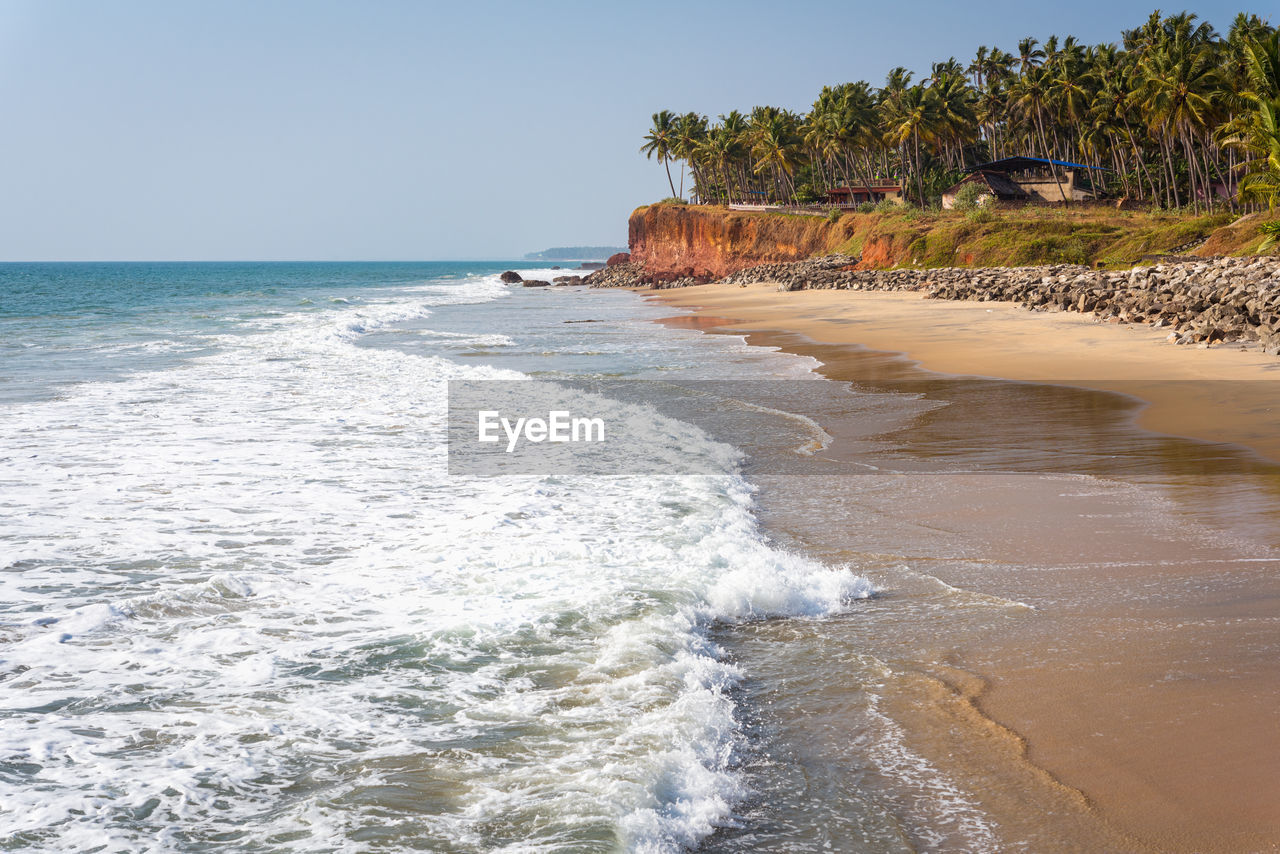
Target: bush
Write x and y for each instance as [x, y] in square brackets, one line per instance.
[807, 194]
[970, 196]
[833, 215]
[673, 200]
[887, 206]
[980, 215]
[1074, 251]
[1271, 231]
[867, 207]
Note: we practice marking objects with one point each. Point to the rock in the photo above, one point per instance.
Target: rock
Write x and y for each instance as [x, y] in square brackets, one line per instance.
[619, 276]
[566, 280]
[557, 267]
[1200, 300]
[536, 283]
[618, 258]
[511, 277]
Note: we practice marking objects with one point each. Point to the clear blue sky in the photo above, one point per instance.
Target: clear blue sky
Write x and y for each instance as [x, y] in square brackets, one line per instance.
[415, 130]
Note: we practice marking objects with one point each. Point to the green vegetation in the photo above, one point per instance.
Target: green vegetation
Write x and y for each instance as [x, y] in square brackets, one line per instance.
[1178, 115]
[982, 237]
[1271, 234]
[970, 196]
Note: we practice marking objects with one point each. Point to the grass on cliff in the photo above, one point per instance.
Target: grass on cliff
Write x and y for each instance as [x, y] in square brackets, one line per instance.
[985, 237]
[1027, 236]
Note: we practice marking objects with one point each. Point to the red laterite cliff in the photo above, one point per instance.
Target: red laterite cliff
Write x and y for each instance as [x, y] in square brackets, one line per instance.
[710, 242]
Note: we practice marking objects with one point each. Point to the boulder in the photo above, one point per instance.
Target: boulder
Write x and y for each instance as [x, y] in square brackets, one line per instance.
[618, 258]
[511, 277]
[536, 283]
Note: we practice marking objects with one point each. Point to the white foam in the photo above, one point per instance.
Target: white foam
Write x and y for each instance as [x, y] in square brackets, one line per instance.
[244, 596]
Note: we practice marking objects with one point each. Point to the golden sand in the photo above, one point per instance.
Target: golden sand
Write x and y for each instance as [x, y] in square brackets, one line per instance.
[1222, 394]
[1150, 683]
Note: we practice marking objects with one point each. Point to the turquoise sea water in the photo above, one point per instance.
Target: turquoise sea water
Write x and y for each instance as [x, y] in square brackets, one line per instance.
[246, 604]
[243, 604]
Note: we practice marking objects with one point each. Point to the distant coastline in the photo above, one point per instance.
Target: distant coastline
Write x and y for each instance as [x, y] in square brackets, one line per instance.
[574, 253]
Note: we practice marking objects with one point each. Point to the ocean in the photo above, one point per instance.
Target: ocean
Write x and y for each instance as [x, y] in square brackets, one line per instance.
[260, 593]
[247, 606]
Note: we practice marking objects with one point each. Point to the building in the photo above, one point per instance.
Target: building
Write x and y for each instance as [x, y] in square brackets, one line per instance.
[878, 191]
[1022, 180]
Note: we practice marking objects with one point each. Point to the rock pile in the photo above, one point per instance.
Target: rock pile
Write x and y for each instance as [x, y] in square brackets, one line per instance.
[827, 271]
[627, 275]
[1207, 300]
[1201, 301]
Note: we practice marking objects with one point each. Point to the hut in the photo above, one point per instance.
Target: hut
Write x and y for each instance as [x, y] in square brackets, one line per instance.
[994, 186]
[1030, 179]
[876, 191]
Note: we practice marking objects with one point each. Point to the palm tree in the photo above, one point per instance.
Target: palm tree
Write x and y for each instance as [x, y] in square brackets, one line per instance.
[722, 148]
[1259, 137]
[1261, 183]
[978, 67]
[1176, 94]
[912, 119]
[1029, 55]
[954, 119]
[1175, 110]
[776, 146]
[688, 130]
[660, 141]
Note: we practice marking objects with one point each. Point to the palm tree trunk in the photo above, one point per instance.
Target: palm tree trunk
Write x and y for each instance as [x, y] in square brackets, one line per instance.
[919, 171]
[1053, 170]
[1192, 178]
[1137, 155]
[1231, 196]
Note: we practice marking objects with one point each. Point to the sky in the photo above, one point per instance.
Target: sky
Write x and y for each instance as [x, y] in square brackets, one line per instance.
[388, 130]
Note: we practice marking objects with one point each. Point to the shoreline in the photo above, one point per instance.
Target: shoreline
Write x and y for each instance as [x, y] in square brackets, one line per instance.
[1181, 388]
[1159, 592]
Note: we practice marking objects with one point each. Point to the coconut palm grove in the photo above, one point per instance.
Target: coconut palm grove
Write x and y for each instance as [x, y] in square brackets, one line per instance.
[1176, 115]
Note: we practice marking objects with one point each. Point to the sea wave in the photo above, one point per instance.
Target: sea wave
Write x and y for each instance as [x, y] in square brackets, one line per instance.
[245, 600]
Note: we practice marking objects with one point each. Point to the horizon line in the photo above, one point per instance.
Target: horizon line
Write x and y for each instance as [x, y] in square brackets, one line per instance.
[268, 260]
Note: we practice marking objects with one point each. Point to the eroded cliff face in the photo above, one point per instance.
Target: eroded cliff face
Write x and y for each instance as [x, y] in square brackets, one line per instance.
[674, 241]
[705, 243]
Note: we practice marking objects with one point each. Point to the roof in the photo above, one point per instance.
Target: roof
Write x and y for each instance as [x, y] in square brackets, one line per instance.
[861, 188]
[1000, 185]
[1019, 164]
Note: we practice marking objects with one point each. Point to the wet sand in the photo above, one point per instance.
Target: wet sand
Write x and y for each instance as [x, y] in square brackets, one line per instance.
[1092, 652]
[1186, 387]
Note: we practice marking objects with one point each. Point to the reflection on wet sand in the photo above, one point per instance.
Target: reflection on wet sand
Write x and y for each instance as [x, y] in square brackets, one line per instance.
[1076, 643]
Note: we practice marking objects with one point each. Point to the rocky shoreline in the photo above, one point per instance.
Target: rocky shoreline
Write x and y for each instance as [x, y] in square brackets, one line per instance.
[1205, 301]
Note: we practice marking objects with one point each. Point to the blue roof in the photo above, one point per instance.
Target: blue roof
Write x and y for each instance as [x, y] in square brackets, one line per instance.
[1014, 164]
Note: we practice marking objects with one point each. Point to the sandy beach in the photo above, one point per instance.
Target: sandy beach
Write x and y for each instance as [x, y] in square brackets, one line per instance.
[1131, 705]
[1223, 394]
